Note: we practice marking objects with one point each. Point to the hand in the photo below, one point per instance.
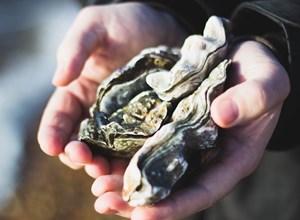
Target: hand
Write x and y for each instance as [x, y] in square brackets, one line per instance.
[102, 39]
[248, 110]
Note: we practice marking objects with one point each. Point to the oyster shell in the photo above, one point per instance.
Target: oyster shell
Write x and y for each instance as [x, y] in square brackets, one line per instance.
[127, 110]
[165, 157]
[157, 110]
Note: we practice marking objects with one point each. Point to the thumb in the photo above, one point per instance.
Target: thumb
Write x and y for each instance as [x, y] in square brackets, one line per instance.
[245, 102]
[78, 44]
[262, 84]
[238, 104]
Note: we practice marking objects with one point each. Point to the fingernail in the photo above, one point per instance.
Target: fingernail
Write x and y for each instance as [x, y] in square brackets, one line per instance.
[230, 111]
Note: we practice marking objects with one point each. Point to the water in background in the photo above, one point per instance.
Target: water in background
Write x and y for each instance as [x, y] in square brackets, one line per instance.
[30, 31]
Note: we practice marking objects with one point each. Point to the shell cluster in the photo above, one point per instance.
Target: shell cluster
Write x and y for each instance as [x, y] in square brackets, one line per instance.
[156, 111]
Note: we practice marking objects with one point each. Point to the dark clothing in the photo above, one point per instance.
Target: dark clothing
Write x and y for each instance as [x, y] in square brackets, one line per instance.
[276, 20]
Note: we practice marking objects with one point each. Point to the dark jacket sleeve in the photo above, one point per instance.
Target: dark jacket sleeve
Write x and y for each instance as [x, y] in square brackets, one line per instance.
[275, 20]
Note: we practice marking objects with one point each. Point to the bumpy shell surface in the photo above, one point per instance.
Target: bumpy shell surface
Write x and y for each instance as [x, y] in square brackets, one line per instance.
[127, 110]
[157, 110]
[165, 157]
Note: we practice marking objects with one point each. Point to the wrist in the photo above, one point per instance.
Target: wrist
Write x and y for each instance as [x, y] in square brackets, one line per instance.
[277, 49]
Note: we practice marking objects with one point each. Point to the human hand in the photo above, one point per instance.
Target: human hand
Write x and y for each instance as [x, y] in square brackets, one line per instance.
[102, 39]
[248, 110]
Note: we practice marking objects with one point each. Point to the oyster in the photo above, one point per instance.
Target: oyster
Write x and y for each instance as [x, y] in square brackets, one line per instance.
[127, 110]
[156, 110]
[166, 156]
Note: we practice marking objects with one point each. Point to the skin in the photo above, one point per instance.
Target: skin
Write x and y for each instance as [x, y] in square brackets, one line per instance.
[97, 44]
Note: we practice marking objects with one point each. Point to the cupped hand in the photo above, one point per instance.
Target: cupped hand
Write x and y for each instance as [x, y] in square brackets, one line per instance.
[102, 39]
[248, 111]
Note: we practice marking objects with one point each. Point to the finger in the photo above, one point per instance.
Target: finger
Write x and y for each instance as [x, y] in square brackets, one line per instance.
[244, 102]
[107, 183]
[80, 41]
[98, 167]
[58, 121]
[233, 107]
[65, 160]
[112, 203]
[260, 83]
[79, 152]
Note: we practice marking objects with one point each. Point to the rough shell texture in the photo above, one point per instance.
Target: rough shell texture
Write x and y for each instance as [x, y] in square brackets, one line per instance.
[157, 110]
[127, 110]
[165, 157]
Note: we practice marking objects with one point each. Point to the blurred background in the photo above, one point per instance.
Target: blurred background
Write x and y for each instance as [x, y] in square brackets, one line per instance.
[34, 186]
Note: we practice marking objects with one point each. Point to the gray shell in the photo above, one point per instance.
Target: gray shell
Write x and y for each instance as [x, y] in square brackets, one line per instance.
[165, 157]
[156, 111]
[127, 110]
